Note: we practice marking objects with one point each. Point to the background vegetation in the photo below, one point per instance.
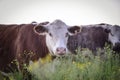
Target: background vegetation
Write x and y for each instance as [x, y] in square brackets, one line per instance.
[76, 67]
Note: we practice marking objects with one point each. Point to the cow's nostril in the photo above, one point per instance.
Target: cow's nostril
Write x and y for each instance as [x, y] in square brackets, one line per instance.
[57, 49]
[64, 49]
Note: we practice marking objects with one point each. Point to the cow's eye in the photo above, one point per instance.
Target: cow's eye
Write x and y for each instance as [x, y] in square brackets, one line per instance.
[66, 35]
[50, 34]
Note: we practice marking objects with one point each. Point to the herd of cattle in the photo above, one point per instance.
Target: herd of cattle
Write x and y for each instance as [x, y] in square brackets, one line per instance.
[55, 38]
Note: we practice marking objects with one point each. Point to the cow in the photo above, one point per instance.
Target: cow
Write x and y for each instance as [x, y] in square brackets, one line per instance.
[91, 37]
[113, 36]
[25, 42]
[94, 37]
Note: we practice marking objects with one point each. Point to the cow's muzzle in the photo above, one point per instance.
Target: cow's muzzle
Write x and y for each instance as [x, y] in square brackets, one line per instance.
[61, 51]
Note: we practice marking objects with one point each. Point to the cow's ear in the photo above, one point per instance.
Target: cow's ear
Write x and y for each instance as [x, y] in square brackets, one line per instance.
[41, 29]
[74, 29]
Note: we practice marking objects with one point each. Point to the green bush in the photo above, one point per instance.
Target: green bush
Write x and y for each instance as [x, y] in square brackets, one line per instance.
[76, 67]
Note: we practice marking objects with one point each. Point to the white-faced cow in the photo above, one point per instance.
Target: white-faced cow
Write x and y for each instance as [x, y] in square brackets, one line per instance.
[95, 36]
[113, 35]
[40, 39]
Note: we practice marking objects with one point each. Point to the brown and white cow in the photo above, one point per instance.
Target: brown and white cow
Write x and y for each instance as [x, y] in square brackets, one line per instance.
[17, 41]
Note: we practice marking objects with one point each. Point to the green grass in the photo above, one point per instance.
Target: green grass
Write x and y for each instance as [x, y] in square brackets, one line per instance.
[75, 67]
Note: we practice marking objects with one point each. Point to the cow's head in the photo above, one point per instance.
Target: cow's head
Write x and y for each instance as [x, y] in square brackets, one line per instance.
[114, 36]
[57, 34]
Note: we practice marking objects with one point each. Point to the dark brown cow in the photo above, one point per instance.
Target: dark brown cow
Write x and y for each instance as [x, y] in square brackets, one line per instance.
[15, 39]
[95, 36]
[27, 42]
[91, 37]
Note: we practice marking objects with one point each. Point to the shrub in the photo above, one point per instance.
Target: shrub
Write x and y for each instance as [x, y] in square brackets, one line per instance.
[75, 67]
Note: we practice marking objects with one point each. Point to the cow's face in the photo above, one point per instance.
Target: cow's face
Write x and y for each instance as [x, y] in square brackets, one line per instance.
[114, 37]
[57, 34]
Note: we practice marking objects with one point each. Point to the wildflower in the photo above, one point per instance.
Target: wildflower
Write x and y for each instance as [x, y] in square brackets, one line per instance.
[119, 69]
[33, 65]
[48, 58]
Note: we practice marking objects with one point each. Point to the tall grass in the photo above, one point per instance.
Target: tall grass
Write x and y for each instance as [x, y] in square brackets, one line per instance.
[76, 67]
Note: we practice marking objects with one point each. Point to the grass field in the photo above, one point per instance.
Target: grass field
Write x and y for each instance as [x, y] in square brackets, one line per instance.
[75, 67]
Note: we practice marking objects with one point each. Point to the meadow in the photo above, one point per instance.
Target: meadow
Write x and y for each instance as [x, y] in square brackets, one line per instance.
[73, 67]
